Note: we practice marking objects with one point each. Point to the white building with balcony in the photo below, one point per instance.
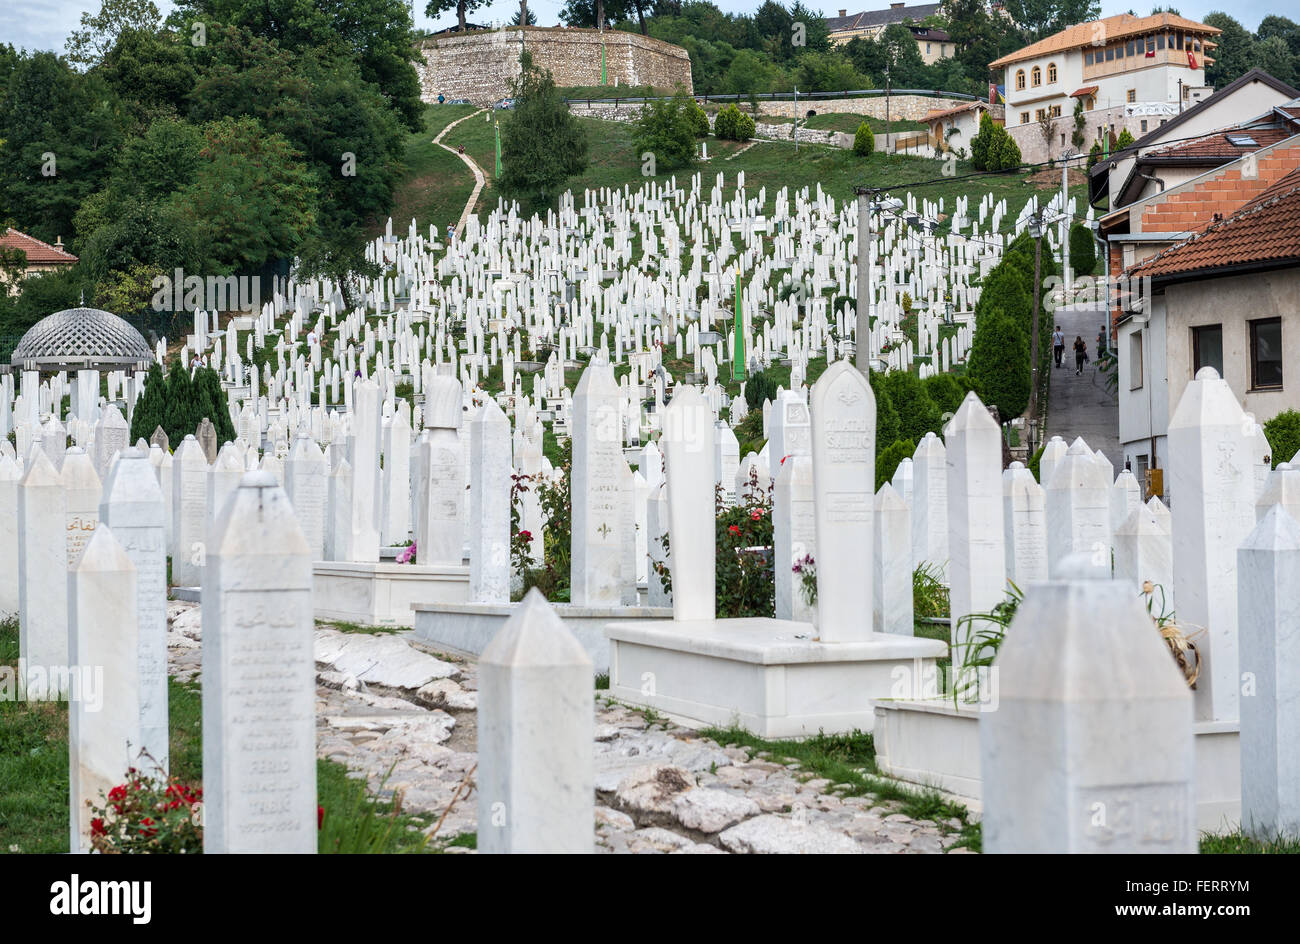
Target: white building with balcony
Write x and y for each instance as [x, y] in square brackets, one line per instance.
[1133, 72]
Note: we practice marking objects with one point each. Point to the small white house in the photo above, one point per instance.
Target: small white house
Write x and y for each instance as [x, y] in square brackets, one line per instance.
[952, 129]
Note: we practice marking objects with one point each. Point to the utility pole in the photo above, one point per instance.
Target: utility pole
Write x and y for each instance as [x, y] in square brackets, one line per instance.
[1065, 221]
[796, 119]
[862, 353]
[1036, 231]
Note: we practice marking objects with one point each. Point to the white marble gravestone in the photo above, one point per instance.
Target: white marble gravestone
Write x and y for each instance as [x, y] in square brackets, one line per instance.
[844, 462]
[536, 771]
[189, 512]
[794, 538]
[259, 678]
[1268, 593]
[1090, 747]
[1213, 491]
[489, 497]
[42, 578]
[892, 609]
[1024, 522]
[977, 556]
[82, 490]
[105, 731]
[305, 482]
[10, 476]
[440, 540]
[688, 459]
[1078, 508]
[132, 506]
[597, 491]
[930, 503]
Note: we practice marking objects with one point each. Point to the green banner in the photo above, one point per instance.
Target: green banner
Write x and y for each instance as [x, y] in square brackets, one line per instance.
[738, 357]
[498, 130]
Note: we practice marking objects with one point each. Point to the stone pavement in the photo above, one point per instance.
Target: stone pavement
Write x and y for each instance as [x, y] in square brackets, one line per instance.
[1082, 405]
[404, 718]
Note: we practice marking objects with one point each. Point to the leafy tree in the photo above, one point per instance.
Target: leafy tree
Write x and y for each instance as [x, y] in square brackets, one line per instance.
[1094, 154]
[100, 31]
[542, 144]
[531, 21]
[751, 74]
[699, 119]
[1083, 254]
[828, 72]
[1279, 26]
[864, 142]
[888, 423]
[150, 72]
[1124, 140]
[917, 413]
[979, 36]
[252, 199]
[60, 132]
[979, 145]
[1283, 434]
[888, 459]
[1234, 55]
[210, 401]
[1042, 18]
[945, 391]
[179, 420]
[758, 388]
[733, 125]
[999, 363]
[151, 408]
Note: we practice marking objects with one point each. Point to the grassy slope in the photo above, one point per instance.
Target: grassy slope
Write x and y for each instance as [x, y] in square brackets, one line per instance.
[436, 183]
[615, 163]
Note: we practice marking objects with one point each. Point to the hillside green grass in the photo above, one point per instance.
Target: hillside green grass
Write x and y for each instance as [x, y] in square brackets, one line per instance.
[614, 162]
[436, 183]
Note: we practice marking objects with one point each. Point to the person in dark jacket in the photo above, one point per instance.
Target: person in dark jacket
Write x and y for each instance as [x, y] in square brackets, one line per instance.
[1080, 354]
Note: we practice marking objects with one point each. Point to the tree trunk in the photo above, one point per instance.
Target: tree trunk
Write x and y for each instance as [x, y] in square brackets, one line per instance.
[460, 14]
[600, 14]
[640, 15]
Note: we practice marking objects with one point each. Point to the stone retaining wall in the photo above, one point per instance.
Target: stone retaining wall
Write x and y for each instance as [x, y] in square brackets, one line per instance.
[481, 65]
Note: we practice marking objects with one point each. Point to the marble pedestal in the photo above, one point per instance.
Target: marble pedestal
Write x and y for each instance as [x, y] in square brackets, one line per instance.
[936, 744]
[768, 676]
[382, 594]
[466, 628]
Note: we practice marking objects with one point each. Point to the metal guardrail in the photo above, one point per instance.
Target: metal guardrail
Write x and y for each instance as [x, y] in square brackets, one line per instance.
[779, 96]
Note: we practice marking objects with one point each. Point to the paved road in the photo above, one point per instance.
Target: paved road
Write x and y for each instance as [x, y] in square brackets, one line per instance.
[1081, 405]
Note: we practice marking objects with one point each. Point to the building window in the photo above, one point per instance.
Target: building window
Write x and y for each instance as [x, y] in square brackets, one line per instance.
[1020, 79]
[1160, 41]
[943, 49]
[1056, 111]
[1207, 348]
[1036, 76]
[1151, 45]
[1024, 117]
[1131, 48]
[1266, 353]
[927, 49]
[1132, 95]
[1087, 58]
[1135, 361]
[1180, 40]
[1110, 53]
[1196, 45]
[1144, 126]
[1119, 51]
[1051, 72]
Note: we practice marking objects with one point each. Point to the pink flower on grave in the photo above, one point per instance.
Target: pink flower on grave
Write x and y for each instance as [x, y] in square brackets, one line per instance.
[407, 554]
[756, 514]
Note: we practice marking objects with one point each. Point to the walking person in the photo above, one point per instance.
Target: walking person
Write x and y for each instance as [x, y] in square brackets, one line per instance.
[1080, 354]
[1058, 345]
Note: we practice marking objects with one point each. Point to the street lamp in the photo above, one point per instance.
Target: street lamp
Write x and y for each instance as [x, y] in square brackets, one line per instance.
[1036, 231]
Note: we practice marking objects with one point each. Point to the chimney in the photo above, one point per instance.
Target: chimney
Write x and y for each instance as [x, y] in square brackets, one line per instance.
[58, 242]
[896, 6]
[844, 13]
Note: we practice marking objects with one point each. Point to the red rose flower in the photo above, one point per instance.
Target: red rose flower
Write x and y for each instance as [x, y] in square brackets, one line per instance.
[320, 817]
[97, 827]
[734, 529]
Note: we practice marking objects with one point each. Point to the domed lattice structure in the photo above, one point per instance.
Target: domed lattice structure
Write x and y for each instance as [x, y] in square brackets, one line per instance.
[82, 339]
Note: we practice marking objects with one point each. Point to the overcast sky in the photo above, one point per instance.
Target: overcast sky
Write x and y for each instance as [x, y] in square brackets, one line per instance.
[45, 24]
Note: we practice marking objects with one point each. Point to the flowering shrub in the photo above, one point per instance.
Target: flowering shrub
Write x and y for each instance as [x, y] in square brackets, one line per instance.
[806, 568]
[148, 815]
[407, 554]
[743, 538]
[553, 577]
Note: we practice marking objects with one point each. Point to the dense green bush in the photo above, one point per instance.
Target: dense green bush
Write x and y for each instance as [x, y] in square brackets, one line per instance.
[178, 403]
[758, 388]
[999, 363]
[887, 421]
[888, 460]
[1035, 463]
[945, 391]
[864, 142]
[666, 130]
[699, 118]
[1283, 432]
[917, 413]
[733, 125]
[1083, 254]
[1124, 140]
[542, 143]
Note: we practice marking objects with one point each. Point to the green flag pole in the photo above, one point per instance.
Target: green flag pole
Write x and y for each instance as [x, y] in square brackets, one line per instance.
[738, 357]
[498, 128]
[604, 76]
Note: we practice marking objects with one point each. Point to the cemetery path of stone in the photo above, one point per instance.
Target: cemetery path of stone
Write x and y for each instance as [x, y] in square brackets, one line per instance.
[1082, 406]
[479, 179]
[659, 788]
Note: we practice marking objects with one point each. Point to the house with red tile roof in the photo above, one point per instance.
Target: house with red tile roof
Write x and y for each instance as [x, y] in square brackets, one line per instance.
[41, 257]
[1222, 296]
